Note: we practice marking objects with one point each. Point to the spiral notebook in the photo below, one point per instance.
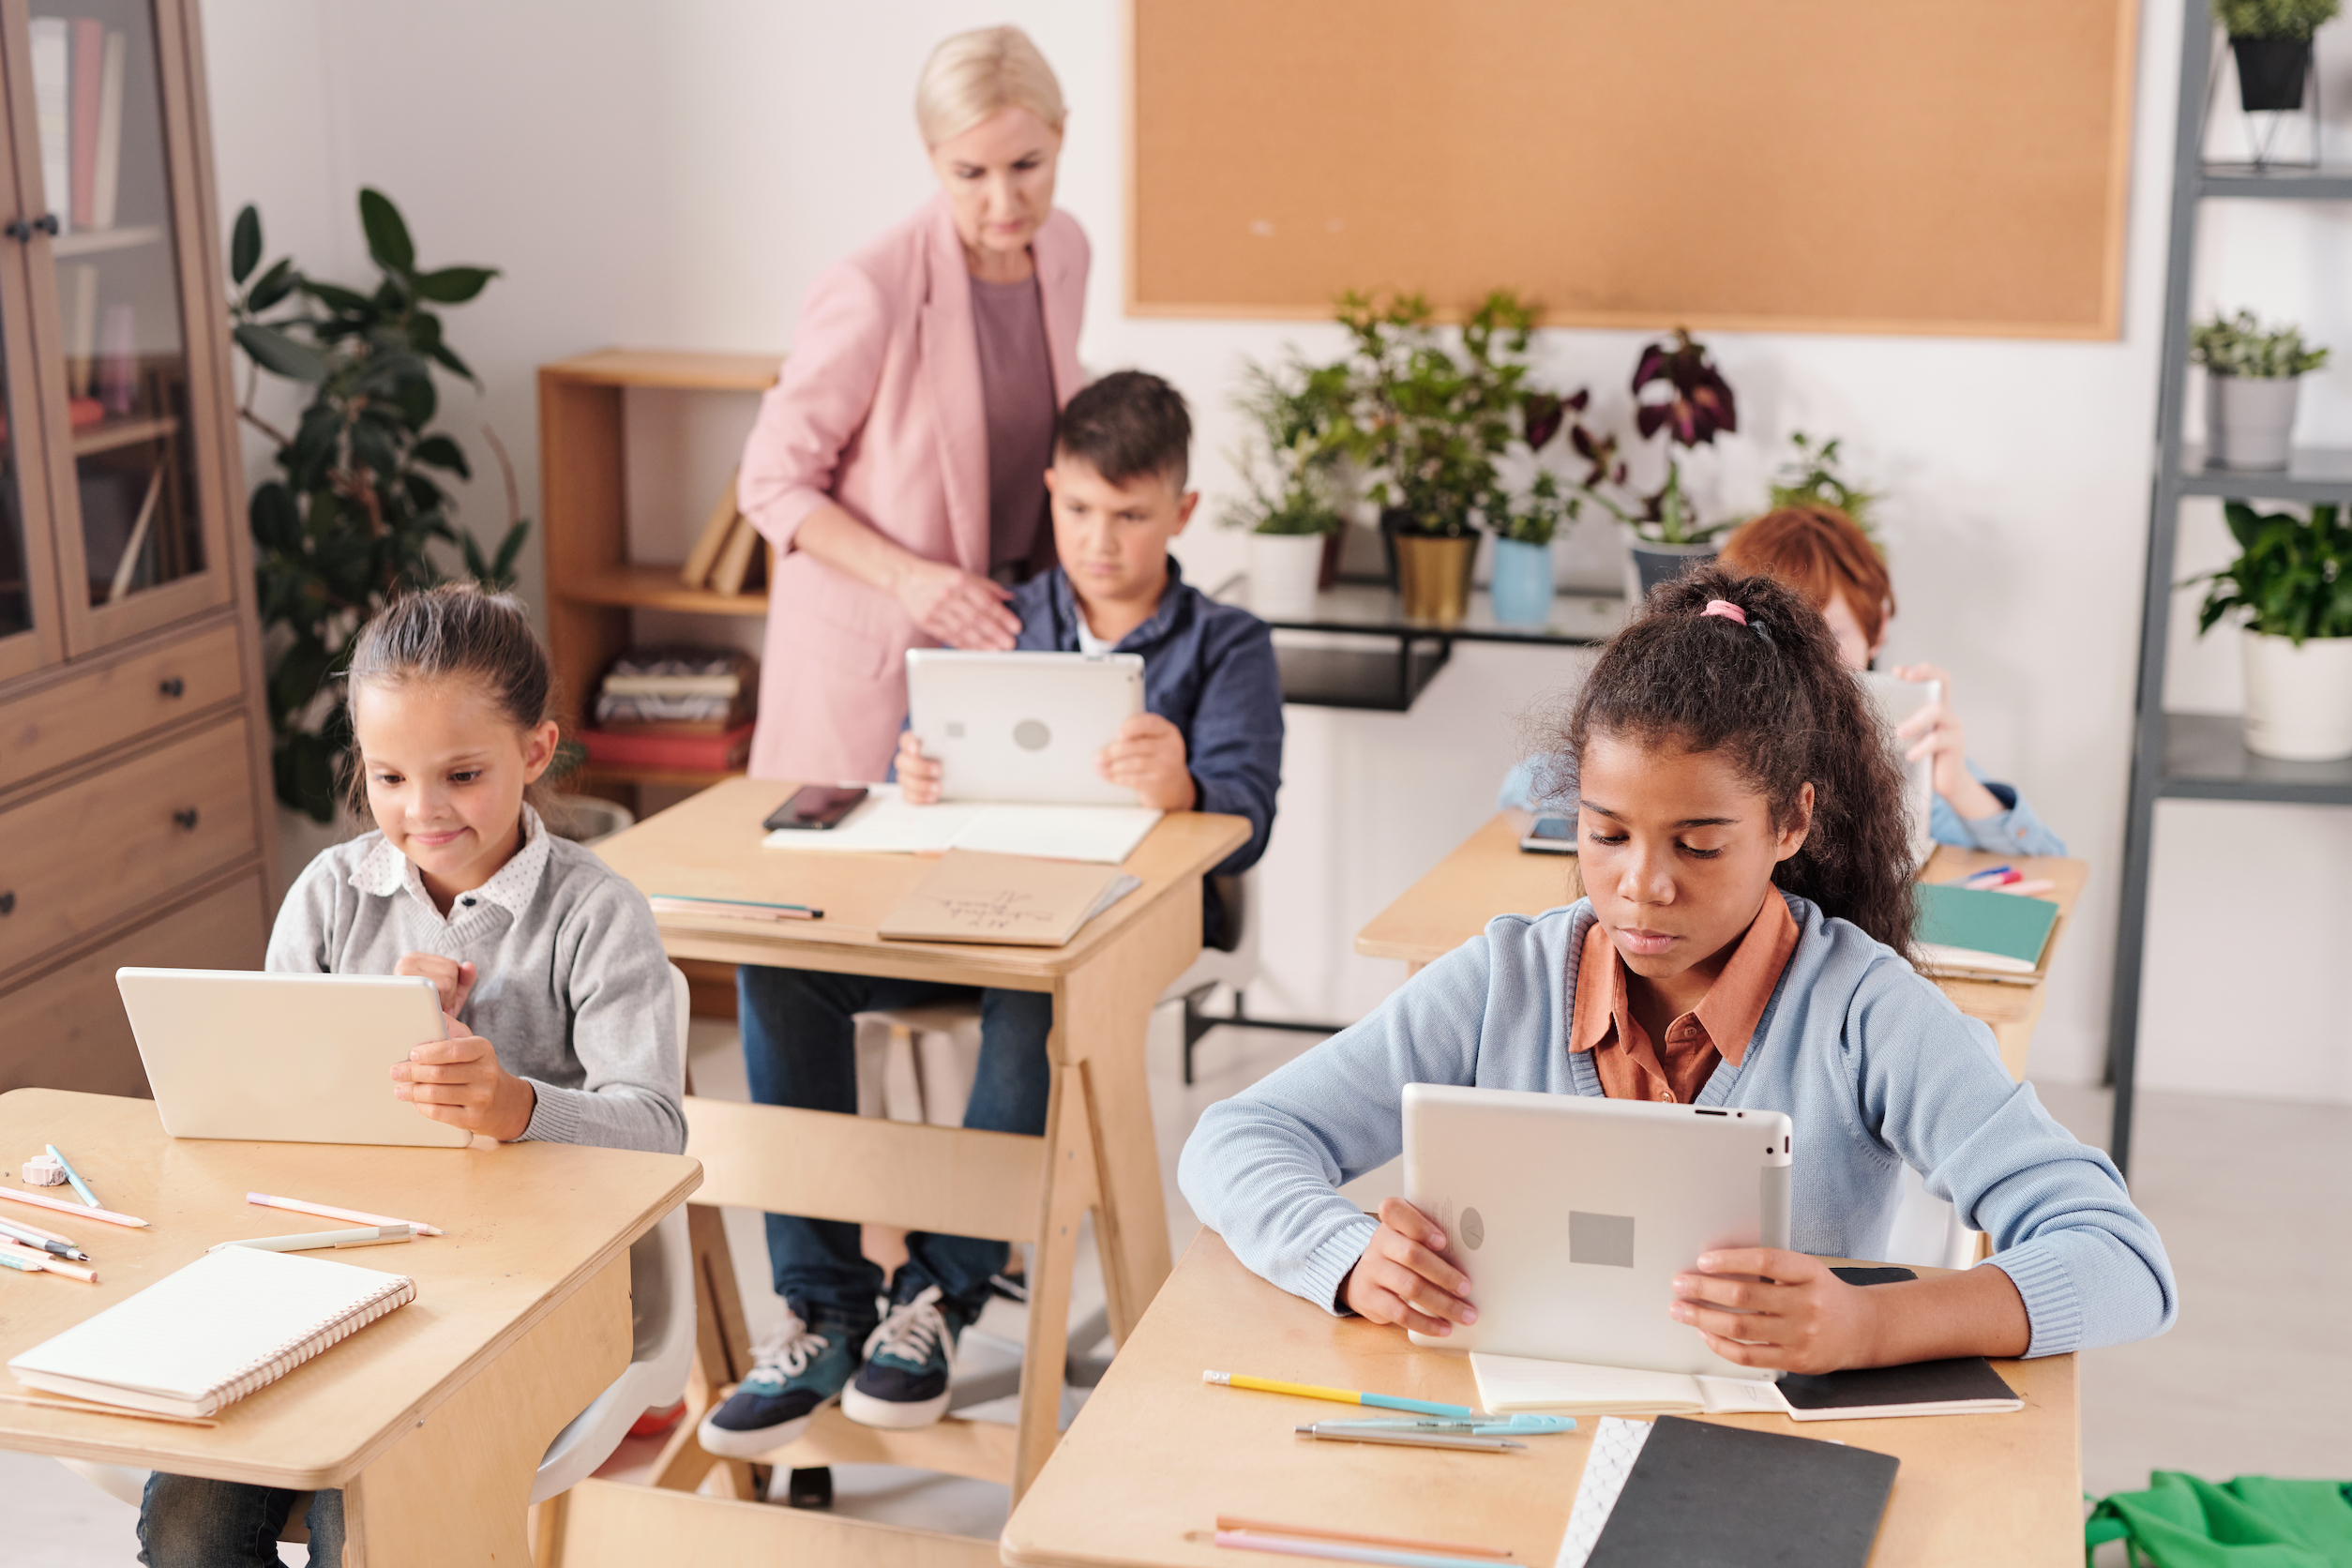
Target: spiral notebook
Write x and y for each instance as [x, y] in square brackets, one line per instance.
[233, 1321]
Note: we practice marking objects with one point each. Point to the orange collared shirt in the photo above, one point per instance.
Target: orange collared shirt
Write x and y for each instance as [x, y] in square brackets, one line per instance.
[1717, 1029]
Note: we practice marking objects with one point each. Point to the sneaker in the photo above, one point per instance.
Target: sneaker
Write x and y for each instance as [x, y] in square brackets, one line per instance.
[796, 1371]
[904, 1382]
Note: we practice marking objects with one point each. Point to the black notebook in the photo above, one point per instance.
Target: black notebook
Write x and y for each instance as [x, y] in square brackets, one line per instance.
[1964, 1385]
[1702, 1495]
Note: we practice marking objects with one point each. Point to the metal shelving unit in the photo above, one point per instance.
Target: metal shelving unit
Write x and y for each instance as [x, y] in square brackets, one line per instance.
[2200, 756]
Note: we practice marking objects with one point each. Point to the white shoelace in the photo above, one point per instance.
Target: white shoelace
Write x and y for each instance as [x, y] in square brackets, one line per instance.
[785, 1352]
[910, 1331]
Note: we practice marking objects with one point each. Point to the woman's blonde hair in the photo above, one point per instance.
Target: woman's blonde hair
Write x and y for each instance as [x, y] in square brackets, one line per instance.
[973, 75]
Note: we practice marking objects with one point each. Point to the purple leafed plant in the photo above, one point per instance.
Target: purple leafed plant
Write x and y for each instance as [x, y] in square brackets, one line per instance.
[1698, 400]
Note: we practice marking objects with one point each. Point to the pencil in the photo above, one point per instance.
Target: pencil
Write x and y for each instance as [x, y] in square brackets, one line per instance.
[328, 1211]
[76, 1210]
[16, 1255]
[1316, 1532]
[732, 909]
[1339, 1395]
[1243, 1539]
[34, 1236]
[87, 1408]
[89, 1198]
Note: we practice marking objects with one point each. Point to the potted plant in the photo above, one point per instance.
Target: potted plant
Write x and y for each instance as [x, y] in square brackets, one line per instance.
[2271, 42]
[1815, 476]
[1431, 424]
[1298, 432]
[1522, 583]
[2251, 380]
[2292, 579]
[354, 512]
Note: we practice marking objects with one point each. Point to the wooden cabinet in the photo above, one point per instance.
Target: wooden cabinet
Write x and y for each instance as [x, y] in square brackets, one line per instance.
[136, 819]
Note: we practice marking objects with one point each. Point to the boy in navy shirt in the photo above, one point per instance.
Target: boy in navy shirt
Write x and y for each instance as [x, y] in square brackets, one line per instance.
[1209, 739]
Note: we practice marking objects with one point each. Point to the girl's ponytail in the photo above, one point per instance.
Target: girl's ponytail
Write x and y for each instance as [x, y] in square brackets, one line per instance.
[1770, 693]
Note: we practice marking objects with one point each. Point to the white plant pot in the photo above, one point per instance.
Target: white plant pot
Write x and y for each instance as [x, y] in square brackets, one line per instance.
[1283, 569]
[2248, 420]
[2299, 700]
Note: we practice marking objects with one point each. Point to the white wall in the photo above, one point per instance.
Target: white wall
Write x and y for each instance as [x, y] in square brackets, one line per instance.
[676, 176]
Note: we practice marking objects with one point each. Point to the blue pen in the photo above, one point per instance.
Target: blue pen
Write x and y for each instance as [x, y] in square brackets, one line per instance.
[74, 1176]
[1988, 871]
[1519, 1426]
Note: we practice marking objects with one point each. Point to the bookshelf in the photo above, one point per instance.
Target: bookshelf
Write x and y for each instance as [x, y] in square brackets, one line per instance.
[592, 584]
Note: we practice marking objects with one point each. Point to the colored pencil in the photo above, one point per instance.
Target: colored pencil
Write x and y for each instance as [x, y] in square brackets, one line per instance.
[1339, 1396]
[89, 1198]
[1316, 1532]
[328, 1211]
[1340, 1431]
[34, 1236]
[1241, 1540]
[312, 1241]
[76, 1210]
[16, 1255]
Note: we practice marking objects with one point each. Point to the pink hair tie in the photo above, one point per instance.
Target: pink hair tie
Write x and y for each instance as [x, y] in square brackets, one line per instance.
[1725, 609]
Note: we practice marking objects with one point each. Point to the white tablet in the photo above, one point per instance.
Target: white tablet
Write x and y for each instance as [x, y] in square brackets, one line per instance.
[1895, 701]
[1022, 727]
[1573, 1214]
[284, 1058]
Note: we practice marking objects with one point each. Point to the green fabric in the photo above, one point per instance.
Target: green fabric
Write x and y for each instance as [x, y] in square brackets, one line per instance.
[2252, 1522]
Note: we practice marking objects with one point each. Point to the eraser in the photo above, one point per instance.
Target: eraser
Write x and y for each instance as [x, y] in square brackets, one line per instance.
[44, 1170]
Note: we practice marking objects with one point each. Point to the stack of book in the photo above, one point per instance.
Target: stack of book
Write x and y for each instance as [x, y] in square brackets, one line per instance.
[729, 557]
[682, 707]
[1967, 933]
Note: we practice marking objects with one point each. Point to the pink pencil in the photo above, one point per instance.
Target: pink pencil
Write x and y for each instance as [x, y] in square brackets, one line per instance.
[328, 1211]
[76, 1210]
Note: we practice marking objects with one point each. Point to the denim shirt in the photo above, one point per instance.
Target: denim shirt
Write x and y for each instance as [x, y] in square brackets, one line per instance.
[1208, 669]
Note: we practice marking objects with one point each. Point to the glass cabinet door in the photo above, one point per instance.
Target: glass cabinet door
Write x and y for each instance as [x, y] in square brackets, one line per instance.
[29, 612]
[136, 544]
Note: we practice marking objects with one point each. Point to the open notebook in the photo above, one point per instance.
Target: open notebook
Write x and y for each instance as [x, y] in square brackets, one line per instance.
[886, 824]
[210, 1334]
[1964, 1385]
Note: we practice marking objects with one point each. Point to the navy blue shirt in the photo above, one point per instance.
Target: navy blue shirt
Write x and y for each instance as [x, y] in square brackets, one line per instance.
[1208, 669]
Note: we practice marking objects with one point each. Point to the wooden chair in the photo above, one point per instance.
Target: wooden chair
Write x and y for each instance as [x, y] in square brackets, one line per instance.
[861, 1171]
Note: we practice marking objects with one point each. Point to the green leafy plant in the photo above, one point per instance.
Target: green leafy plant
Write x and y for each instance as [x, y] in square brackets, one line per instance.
[2292, 577]
[2273, 19]
[356, 510]
[1815, 476]
[1539, 512]
[1433, 420]
[1300, 430]
[2240, 345]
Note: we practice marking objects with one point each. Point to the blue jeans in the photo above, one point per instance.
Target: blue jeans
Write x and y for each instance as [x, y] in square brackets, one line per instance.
[801, 1049]
[187, 1522]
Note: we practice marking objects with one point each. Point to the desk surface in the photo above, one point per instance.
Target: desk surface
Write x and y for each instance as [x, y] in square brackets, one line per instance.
[527, 1223]
[1156, 1455]
[709, 846]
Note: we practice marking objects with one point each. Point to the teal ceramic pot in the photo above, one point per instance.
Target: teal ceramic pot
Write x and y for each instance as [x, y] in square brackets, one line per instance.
[1522, 583]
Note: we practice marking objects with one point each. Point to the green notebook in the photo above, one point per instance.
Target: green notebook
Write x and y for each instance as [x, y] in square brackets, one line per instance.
[1964, 928]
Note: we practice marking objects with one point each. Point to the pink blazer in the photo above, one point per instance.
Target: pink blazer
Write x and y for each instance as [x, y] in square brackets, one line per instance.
[879, 411]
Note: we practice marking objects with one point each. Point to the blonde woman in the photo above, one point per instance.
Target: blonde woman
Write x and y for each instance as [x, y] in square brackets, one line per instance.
[898, 464]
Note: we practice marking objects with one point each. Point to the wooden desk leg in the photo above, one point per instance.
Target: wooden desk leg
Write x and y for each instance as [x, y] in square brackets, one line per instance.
[1070, 1191]
[456, 1489]
[722, 1358]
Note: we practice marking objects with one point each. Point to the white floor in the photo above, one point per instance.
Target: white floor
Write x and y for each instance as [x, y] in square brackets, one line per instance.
[2251, 1196]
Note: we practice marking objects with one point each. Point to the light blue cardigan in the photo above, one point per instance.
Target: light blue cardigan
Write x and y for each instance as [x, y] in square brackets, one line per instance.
[1873, 1063]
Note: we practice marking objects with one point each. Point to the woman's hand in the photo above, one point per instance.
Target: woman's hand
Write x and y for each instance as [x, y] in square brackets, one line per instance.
[951, 604]
[1935, 733]
[459, 1081]
[918, 775]
[1797, 1316]
[452, 978]
[1148, 756]
[1401, 1279]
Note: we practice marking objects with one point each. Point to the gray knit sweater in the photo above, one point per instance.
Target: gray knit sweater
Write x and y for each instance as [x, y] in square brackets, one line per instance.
[571, 984]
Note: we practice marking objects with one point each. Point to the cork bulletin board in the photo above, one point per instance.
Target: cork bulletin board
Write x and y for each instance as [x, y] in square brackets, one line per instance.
[1911, 166]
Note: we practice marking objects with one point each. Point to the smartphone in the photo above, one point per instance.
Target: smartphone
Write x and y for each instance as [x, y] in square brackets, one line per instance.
[816, 806]
[1550, 835]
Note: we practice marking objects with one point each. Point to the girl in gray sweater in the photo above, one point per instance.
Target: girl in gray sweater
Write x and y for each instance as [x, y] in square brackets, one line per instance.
[1743, 943]
[555, 992]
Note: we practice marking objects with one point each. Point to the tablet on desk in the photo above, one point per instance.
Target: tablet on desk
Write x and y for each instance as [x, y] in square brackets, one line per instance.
[1022, 727]
[284, 1058]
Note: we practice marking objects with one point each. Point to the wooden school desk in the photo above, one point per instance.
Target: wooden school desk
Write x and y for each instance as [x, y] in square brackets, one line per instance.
[433, 1419]
[1488, 874]
[1156, 1455]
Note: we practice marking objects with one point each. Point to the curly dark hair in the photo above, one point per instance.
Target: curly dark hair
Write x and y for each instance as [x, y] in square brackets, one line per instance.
[1773, 697]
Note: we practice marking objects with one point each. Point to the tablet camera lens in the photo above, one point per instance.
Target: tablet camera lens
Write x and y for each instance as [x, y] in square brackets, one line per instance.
[1031, 734]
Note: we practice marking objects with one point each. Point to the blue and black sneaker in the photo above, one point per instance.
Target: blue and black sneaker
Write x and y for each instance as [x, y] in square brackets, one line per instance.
[904, 1382]
[795, 1372]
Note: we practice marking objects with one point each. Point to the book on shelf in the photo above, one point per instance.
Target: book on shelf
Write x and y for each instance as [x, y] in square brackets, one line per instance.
[696, 573]
[53, 112]
[89, 69]
[79, 76]
[703, 714]
[106, 183]
[682, 669]
[719, 753]
[733, 573]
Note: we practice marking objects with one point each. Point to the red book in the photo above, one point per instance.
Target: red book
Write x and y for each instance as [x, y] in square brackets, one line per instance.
[686, 753]
[89, 76]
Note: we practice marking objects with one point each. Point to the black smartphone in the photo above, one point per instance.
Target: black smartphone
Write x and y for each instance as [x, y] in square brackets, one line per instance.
[1550, 835]
[816, 806]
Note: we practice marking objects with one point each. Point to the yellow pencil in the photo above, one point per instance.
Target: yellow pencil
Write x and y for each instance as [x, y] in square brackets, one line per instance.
[1338, 1395]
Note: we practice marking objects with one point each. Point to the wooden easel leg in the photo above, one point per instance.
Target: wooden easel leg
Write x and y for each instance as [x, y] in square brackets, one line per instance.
[1070, 1190]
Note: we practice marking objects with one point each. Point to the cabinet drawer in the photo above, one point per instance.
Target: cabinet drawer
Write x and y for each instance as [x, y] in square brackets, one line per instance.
[67, 1029]
[114, 844]
[83, 714]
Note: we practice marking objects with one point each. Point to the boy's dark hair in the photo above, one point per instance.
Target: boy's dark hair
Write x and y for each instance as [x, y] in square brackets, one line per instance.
[1127, 425]
[458, 629]
[1774, 699]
